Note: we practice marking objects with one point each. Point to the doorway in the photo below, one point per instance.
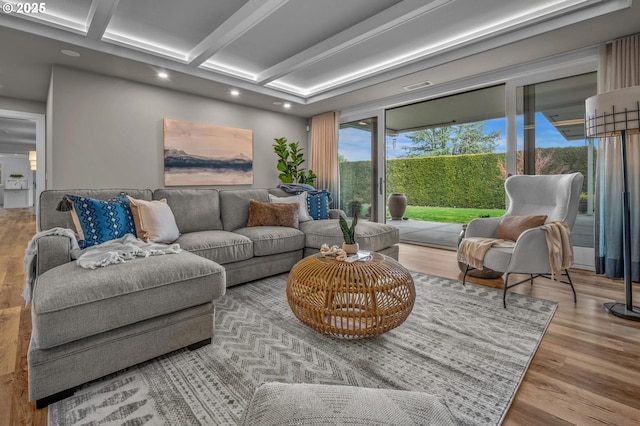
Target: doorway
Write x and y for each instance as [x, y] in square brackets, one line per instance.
[24, 132]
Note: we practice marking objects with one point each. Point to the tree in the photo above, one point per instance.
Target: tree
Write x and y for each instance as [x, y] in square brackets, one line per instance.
[467, 138]
[544, 164]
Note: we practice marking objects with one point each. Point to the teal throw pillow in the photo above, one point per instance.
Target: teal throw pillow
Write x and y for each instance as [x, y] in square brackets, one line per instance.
[318, 204]
[98, 221]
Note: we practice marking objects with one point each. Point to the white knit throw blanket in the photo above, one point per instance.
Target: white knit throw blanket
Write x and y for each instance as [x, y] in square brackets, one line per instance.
[121, 250]
[107, 253]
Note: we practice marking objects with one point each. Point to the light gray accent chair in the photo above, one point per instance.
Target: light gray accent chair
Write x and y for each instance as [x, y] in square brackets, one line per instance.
[276, 404]
[556, 196]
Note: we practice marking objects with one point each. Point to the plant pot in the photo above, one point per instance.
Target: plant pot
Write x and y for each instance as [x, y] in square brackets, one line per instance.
[478, 273]
[397, 204]
[582, 206]
[350, 248]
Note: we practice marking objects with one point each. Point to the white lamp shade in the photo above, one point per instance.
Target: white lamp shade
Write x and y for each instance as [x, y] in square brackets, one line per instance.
[612, 112]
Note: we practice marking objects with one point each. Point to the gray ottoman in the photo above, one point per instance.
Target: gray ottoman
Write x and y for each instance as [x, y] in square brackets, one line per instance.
[281, 404]
[89, 323]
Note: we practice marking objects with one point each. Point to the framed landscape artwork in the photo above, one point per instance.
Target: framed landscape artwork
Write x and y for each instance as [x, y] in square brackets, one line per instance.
[204, 154]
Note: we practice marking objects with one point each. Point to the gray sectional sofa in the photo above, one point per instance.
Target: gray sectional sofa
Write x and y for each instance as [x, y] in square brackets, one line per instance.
[89, 323]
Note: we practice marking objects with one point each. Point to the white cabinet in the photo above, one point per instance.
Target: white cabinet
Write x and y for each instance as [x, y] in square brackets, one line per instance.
[16, 184]
[17, 193]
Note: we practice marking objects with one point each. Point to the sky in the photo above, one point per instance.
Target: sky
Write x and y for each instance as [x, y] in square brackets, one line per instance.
[355, 144]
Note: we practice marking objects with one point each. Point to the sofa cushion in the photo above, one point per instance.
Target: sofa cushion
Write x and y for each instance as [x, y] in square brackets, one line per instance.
[318, 204]
[511, 226]
[273, 214]
[300, 199]
[234, 206]
[220, 246]
[71, 303]
[154, 220]
[369, 235]
[194, 209]
[273, 239]
[98, 221]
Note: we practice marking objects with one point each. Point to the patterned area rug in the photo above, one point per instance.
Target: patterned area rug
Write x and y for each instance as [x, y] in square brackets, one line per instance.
[458, 343]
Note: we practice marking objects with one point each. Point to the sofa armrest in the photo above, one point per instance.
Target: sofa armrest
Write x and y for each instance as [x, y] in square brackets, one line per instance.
[53, 250]
[483, 227]
[336, 213]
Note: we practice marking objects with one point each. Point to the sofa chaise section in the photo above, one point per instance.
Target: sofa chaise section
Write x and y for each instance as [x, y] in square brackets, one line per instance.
[89, 323]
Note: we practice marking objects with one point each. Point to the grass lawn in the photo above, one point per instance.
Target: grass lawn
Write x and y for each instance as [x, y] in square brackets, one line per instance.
[449, 214]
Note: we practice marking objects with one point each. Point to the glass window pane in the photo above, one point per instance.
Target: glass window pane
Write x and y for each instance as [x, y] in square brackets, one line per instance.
[356, 141]
[551, 139]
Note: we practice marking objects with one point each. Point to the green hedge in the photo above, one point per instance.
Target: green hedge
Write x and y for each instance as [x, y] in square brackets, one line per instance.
[472, 181]
[355, 184]
[469, 181]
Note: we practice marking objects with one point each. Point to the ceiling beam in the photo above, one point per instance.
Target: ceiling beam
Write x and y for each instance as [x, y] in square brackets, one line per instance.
[247, 17]
[99, 17]
[380, 23]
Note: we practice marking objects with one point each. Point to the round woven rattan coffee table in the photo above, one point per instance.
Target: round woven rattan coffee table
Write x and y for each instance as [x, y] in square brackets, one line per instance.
[352, 300]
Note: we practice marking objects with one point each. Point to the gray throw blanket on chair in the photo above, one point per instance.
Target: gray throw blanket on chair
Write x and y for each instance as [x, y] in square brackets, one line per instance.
[107, 253]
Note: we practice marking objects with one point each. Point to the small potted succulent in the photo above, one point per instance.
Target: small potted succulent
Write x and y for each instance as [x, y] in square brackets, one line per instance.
[350, 246]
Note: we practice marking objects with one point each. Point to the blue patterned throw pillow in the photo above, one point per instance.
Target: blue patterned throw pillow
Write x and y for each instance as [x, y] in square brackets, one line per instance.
[318, 204]
[98, 221]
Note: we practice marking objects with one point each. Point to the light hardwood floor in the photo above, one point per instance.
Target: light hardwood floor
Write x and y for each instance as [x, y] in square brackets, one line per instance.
[585, 372]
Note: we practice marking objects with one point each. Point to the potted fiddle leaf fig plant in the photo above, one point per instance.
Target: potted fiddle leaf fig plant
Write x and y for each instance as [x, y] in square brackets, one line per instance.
[290, 159]
[350, 246]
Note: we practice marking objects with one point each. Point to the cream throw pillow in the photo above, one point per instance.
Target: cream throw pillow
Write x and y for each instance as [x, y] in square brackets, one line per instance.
[154, 221]
[301, 199]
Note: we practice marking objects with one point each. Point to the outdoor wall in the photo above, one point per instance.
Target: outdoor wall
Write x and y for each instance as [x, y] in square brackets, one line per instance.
[107, 132]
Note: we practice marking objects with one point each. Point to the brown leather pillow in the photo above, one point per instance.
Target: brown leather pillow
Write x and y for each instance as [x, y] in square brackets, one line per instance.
[273, 214]
[510, 227]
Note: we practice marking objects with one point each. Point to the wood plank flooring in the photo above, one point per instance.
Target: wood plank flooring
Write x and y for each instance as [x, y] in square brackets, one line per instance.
[585, 372]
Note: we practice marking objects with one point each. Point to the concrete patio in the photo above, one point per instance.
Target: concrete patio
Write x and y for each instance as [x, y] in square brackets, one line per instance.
[445, 235]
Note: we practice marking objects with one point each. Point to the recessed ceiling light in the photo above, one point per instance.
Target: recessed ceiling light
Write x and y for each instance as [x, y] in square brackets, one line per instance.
[163, 75]
[235, 92]
[287, 105]
[277, 103]
[71, 53]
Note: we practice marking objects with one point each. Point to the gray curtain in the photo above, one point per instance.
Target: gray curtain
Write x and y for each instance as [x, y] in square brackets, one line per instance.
[619, 68]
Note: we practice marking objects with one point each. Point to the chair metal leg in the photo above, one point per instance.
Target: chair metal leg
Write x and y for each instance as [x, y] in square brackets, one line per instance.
[464, 277]
[575, 299]
[504, 291]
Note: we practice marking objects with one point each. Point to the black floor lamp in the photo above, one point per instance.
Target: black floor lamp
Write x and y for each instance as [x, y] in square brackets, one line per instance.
[617, 114]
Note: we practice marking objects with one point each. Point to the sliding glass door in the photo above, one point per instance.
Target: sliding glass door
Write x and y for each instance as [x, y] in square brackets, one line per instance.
[357, 168]
[551, 139]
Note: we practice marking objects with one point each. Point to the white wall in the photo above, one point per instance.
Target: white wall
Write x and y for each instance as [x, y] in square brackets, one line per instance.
[22, 105]
[104, 132]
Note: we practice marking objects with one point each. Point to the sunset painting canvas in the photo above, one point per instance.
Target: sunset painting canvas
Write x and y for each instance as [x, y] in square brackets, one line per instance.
[204, 154]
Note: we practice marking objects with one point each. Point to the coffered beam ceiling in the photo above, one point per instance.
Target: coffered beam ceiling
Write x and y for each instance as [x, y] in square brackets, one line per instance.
[299, 50]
